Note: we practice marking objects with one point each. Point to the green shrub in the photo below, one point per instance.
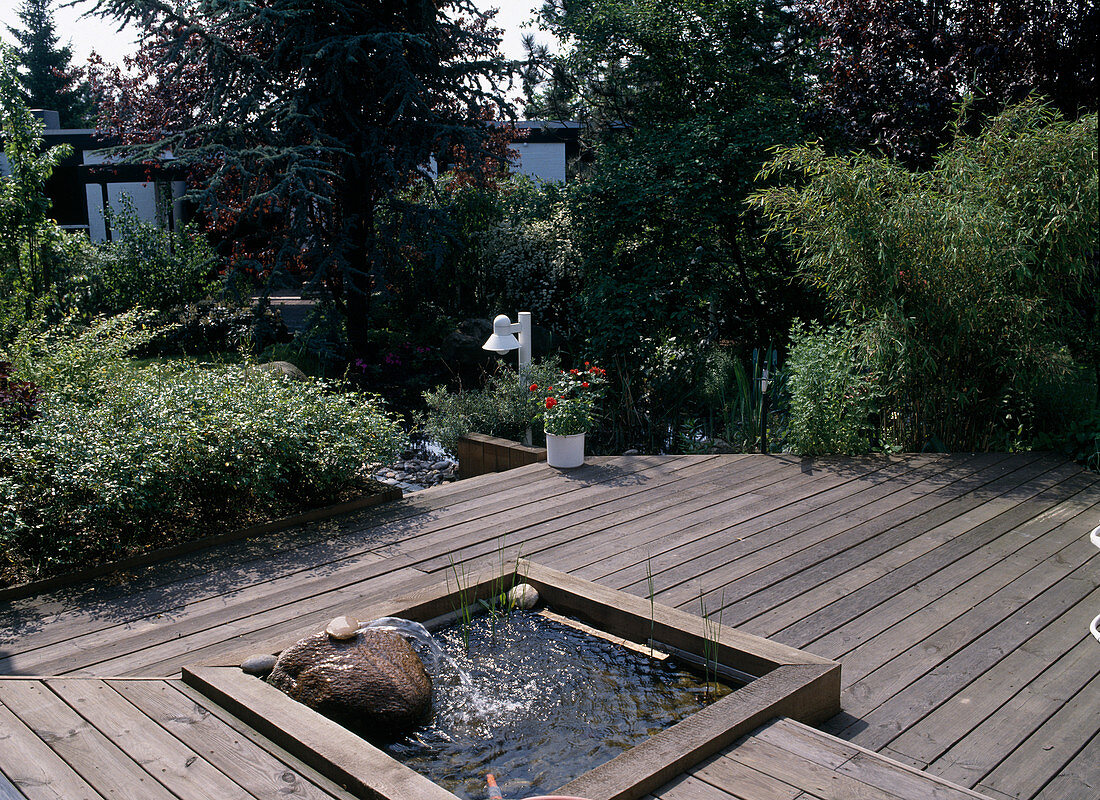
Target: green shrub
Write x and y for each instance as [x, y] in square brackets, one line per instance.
[144, 265]
[502, 407]
[974, 283]
[209, 327]
[832, 396]
[77, 362]
[130, 458]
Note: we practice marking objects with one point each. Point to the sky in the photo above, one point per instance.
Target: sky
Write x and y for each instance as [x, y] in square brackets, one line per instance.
[88, 34]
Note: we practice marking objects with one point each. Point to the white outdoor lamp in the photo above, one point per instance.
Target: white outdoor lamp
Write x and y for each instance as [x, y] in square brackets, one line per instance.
[504, 338]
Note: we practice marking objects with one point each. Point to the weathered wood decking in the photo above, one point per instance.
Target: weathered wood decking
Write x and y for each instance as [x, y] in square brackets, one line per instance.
[956, 591]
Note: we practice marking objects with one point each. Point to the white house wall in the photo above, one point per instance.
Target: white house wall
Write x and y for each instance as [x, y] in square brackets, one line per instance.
[545, 160]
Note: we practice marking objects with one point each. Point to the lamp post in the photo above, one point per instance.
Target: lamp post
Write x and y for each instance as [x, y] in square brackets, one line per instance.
[504, 338]
[764, 383]
[508, 336]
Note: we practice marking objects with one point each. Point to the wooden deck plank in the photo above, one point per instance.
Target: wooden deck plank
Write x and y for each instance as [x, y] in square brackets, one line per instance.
[1079, 778]
[177, 767]
[733, 497]
[36, 770]
[939, 730]
[254, 768]
[1045, 753]
[744, 782]
[8, 790]
[658, 505]
[860, 616]
[87, 751]
[29, 624]
[1015, 565]
[968, 645]
[1028, 717]
[827, 571]
[814, 778]
[282, 623]
[924, 573]
[435, 550]
[696, 550]
[793, 548]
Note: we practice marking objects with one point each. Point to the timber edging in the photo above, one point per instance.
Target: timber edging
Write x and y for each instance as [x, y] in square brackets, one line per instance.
[23, 590]
[480, 455]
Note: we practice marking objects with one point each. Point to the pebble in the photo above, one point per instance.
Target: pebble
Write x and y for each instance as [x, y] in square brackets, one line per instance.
[411, 474]
[523, 596]
[631, 452]
[343, 628]
[260, 664]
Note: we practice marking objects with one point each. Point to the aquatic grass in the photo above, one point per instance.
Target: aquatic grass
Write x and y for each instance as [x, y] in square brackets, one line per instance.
[712, 640]
[652, 606]
[462, 595]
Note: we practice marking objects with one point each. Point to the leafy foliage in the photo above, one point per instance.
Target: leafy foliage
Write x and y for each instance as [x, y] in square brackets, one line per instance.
[26, 232]
[973, 284]
[18, 399]
[832, 397]
[568, 406]
[125, 458]
[684, 99]
[145, 266]
[499, 408]
[895, 71]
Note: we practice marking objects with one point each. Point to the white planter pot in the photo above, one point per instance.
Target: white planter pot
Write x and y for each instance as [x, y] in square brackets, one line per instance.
[565, 452]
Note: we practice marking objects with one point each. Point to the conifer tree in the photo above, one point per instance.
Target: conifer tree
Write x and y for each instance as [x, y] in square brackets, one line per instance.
[308, 120]
[47, 78]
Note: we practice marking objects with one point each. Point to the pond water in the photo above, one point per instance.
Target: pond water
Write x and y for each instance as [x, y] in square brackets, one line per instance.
[540, 704]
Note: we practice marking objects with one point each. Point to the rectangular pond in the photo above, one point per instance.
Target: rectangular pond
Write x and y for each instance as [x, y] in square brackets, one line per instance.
[629, 762]
[538, 702]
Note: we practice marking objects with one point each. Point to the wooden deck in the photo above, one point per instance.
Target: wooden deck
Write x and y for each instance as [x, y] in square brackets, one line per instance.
[956, 591]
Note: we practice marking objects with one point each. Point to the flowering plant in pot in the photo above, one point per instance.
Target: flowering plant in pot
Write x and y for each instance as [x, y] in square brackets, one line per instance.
[566, 410]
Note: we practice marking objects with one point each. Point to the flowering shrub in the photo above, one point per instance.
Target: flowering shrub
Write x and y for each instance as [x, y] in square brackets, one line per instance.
[531, 261]
[567, 406]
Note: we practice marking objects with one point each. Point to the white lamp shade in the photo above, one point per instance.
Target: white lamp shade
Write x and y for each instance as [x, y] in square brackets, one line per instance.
[501, 344]
[502, 340]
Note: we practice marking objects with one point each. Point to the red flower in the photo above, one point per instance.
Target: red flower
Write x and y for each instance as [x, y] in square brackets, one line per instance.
[551, 402]
[573, 372]
[549, 388]
[534, 387]
[584, 384]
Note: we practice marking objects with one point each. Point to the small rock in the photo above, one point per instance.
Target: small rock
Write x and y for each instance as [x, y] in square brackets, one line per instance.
[283, 368]
[441, 465]
[630, 452]
[524, 596]
[260, 664]
[343, 628]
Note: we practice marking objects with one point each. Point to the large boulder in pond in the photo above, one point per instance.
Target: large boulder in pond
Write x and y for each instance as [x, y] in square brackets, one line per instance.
[374, 682]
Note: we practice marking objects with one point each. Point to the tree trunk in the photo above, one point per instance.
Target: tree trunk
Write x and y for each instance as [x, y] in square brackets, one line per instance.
[360, 255]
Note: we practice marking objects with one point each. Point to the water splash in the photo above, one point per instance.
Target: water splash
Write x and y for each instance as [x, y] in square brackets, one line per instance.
[473, 704]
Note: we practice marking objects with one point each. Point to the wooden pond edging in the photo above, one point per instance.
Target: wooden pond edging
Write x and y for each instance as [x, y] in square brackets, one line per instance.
[785, 683]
